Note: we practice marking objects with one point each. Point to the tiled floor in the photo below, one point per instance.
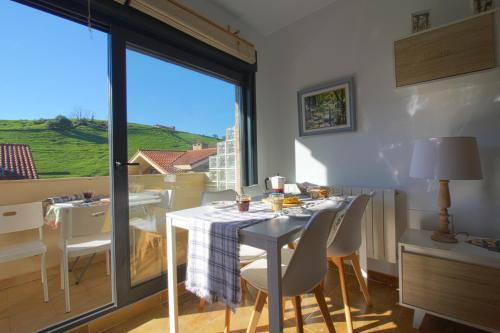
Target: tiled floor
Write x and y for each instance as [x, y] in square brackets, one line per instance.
[22, 309]
[384, 316]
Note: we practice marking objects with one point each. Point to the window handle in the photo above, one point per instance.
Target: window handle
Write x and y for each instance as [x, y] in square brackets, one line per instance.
[121, 164]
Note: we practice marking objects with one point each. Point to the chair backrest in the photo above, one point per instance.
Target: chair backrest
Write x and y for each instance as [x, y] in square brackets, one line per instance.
[252, 190]
[85, 221]
[226, 195]
[21, 217]
[347, 237]
[308, 265]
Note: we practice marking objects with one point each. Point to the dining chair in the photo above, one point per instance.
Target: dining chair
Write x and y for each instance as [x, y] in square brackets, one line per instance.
[253, 191]
[301, 275]
[21, 217]
[343, 243]
[247, 253]
[84, 233]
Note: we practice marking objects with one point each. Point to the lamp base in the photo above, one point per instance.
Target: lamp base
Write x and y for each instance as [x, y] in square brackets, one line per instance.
[444, 238]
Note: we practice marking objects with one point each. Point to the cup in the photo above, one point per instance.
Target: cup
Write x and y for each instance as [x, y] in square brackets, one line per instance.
[277, 202]
[87, 195]
[314, 193]
[324, 192]
[244, 202]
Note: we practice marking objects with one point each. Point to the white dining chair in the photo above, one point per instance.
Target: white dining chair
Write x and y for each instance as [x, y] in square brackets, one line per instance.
[253, 191]
[21, 217]
[300, 274]
[84, 233]
[247, 253]
[343, 243]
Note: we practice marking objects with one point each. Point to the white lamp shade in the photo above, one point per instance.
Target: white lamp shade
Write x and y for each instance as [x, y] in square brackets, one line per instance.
[446, 158]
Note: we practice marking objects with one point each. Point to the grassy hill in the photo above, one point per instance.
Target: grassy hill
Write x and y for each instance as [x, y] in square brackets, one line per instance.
[83, 149]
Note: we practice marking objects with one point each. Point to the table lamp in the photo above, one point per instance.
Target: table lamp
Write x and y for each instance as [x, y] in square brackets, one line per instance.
[445, 159]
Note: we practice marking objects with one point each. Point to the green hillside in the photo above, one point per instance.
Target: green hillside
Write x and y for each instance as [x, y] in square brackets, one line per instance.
[83, 149]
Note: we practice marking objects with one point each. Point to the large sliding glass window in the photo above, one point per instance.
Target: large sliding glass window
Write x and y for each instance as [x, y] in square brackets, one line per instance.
[182, 134]
[100, 135]
[53, 152]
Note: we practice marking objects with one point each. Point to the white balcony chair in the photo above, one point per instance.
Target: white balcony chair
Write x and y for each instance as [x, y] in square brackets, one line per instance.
[300, 274]
[343, 244]
[84, 233]
[247, 253]
[253, 190]
[29, 216]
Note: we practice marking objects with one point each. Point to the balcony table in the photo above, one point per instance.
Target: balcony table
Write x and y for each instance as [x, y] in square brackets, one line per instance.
[270, 235]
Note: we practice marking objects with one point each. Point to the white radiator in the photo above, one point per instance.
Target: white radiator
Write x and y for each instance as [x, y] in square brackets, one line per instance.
[379, 221]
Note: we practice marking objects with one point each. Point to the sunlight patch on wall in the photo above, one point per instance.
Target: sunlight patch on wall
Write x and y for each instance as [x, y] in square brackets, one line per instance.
[383, 158]
[307, 167]
[415, 104]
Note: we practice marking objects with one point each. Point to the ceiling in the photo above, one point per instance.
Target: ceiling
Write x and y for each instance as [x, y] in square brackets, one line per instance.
[268, 16]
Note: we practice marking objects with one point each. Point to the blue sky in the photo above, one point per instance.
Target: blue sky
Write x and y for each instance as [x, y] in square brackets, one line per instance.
[51, 66]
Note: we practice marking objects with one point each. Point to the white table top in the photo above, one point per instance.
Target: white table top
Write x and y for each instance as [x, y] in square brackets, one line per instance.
[414, 238]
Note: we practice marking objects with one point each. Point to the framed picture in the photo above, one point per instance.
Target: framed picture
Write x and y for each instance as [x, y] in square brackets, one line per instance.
[327, 108]
[479, 6]
[420, 21]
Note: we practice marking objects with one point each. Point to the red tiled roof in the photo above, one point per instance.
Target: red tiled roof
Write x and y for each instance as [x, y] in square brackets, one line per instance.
[194, 156]
[166, 160]
[163, 158]
[16, 162]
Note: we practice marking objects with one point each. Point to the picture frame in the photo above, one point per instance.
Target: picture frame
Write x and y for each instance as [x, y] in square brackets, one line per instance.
[420, 21]
[327, 108]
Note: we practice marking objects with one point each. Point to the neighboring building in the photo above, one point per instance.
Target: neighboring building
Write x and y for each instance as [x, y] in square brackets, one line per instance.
[16, 162]
[171, 162]
[170, 128]
[223, 166]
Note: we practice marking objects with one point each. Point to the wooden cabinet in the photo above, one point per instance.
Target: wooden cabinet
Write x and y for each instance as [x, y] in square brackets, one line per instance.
[460, 282]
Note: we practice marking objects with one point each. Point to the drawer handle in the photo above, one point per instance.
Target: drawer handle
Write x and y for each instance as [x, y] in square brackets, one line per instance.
[98, 214]
[9, 213]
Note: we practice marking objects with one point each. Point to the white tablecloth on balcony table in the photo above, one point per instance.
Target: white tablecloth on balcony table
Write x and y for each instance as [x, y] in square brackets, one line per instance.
[58, 213]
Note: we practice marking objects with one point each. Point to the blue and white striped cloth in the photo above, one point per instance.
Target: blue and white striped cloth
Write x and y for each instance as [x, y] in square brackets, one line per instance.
[213, 265]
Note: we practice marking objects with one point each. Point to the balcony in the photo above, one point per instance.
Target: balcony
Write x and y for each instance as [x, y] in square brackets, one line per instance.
[21, 298]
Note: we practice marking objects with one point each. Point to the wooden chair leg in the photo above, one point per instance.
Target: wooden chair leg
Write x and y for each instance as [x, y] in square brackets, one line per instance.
[291, 245]
[296, 300]
[359, 277]
[320, 298]
[257, 311]
[339, 262]
[201, 304]
[227, 320]
[283, 308]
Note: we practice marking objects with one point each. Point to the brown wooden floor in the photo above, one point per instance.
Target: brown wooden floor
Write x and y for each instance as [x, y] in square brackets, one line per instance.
[384, 316]
[22, 309]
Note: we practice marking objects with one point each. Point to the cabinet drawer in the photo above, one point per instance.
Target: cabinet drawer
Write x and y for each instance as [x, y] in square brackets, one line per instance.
[456, 289]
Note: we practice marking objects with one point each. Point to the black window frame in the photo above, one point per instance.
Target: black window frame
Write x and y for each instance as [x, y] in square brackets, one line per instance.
[130, 28]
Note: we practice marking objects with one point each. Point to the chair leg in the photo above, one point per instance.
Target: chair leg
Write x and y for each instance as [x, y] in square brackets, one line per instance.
[260, 300]
[227, 320]
[43, 269]
[66, 283]
[320, 298]
[359, 277]
[298, 314]
[61, 270]
[108, 263]
[283, 307]
[201, 304]
[339, 262]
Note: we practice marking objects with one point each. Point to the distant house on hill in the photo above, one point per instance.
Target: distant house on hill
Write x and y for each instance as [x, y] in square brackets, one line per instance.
[16, 162]
[171, 162]
[170, 128]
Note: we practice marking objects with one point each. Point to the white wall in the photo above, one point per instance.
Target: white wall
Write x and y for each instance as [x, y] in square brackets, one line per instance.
[354, 37]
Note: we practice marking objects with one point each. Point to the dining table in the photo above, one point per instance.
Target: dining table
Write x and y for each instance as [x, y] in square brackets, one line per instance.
[270, 235]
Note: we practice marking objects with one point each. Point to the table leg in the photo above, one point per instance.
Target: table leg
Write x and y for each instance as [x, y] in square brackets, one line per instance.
[172, 277]
[363, 253]
[274, 286]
